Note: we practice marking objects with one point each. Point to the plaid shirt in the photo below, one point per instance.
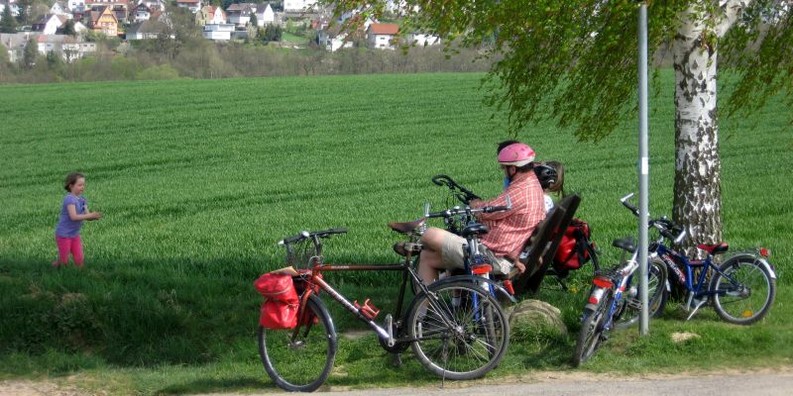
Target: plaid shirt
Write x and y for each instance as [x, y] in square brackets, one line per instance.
[510, 229]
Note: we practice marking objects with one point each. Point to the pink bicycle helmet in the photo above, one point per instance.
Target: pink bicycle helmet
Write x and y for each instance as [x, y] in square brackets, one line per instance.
[516, 154]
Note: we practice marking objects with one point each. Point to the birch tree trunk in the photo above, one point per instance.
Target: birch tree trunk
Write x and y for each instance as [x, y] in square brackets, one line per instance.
[697, 191]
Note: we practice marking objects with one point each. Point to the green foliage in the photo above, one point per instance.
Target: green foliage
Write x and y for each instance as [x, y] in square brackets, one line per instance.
[30, 53]
[7, 22]
[575, 61]
[162, 72]
[22, 16]
[68, 28]
[761, 49]
[271, 33]
[198, 184]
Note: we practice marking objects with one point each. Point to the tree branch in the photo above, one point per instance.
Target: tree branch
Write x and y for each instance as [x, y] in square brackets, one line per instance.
[731, 10]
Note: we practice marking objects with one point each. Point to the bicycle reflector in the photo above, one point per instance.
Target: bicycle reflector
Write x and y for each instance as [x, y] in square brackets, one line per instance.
[605, 283]
[765, 252]
[481, 269]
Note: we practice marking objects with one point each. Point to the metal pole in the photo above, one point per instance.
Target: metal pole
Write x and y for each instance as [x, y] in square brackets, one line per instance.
[644, 168]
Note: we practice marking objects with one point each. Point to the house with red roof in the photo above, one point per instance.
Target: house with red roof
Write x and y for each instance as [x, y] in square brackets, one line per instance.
[382, 35]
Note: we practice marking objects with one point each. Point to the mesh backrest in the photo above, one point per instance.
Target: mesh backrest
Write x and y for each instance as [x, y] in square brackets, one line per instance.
[542, 246]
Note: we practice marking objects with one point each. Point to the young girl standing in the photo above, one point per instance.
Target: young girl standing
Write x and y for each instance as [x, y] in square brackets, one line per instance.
[73, 211]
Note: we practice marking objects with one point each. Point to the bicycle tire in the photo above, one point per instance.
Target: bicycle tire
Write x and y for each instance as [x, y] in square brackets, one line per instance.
[458, 339]
[751, 298]
[590, 335]
[656, 297]
[300, 359]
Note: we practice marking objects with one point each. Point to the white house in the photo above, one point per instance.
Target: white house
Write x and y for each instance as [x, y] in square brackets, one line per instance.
[265, 15]
[49, 24]
[15, 43]
[59, 8]
[70, 48]
[299, 5]
[76, 5]
[140, 13]
[154, 5]
[240, 13]
[332, 40]
[14, 9]
[192, 5]
[219, 31]
[381, 35]
[423, 40]
[217, 16]
[146, 30]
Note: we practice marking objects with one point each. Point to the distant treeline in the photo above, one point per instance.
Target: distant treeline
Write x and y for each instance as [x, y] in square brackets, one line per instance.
[167, 59]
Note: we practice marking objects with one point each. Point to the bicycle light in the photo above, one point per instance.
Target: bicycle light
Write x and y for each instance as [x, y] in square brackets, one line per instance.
[604, 283]
[765, 252]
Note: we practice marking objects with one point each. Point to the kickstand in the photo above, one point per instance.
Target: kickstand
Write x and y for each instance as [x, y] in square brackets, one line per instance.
[696, 308]
[396, 359]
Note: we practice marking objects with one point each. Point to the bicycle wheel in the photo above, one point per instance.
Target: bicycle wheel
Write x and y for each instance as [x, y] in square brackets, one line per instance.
[459, 330]
[300, 359]
[744, 290]
[590, 336]
[656, 297]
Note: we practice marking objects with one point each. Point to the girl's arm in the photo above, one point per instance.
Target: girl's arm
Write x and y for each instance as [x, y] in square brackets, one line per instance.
[73, 216]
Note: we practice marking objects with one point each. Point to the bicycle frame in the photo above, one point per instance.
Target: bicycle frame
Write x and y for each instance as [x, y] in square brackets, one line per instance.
[315, 283]
[699, 289]
[314, 277]
[601, 283]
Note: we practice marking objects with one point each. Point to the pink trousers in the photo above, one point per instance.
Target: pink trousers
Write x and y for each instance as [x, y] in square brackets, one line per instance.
[71, 245]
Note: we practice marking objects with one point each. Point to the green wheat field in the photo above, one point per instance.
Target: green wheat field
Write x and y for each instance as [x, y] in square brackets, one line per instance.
[198, 180]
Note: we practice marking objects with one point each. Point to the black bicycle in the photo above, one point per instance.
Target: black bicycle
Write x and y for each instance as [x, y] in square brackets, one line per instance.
[455, 327]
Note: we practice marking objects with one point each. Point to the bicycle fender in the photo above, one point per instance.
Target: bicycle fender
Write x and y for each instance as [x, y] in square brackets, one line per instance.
[476, 279]
[768, 267]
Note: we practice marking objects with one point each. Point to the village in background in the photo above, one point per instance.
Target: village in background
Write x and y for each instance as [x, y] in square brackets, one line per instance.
[70, 30]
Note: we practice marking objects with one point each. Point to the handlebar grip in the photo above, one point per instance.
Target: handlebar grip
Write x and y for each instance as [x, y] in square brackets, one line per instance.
[339, 230]
[441, 180]
[491, 209]
[295, 238]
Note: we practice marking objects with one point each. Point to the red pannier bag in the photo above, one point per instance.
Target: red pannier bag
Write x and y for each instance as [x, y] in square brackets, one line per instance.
[280, 309]
[572, 252]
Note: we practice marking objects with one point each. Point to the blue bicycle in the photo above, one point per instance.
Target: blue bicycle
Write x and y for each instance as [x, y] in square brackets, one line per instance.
[741, 289]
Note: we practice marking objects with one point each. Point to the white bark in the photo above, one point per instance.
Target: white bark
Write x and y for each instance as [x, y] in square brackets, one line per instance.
[731, 10]
[697, 195]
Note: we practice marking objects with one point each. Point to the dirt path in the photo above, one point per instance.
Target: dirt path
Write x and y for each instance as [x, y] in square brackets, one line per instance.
[767, 382]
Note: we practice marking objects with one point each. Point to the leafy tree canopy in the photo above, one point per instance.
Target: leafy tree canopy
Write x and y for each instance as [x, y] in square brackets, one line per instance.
[575, 61]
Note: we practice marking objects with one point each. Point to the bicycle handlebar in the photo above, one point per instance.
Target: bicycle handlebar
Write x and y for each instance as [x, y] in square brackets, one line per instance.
[305, 235]
[461, 193]
[666, 227]
[469, 210]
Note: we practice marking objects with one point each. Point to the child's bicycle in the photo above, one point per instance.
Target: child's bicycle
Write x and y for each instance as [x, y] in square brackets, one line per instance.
[741, 289]
[613, 301]
[455, 327]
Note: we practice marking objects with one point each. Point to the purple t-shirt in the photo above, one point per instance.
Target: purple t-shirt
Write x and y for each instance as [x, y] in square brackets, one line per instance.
[67, 227]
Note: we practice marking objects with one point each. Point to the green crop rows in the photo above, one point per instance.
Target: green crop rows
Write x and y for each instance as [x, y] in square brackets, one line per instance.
[198, 180]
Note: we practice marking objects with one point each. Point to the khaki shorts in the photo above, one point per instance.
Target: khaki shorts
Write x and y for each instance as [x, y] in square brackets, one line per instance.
[452, 255]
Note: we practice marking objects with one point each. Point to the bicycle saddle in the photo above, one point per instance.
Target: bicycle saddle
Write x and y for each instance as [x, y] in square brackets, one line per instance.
[474, 229]
[714, 248]
[407, 228]
[625, 244]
